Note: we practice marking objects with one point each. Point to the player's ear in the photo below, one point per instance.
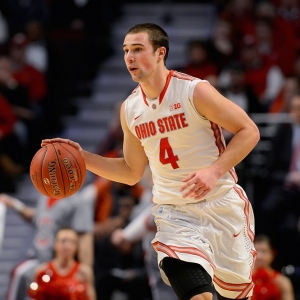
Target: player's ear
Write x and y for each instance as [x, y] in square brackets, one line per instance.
[161, 53]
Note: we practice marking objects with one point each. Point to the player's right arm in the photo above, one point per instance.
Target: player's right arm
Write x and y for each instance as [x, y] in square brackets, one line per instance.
[128, 169]
[26, 212]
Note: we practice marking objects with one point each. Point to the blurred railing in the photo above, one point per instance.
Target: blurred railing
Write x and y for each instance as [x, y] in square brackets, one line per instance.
[2, 224]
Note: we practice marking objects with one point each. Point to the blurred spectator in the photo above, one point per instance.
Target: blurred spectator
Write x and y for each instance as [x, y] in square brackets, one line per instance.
[26, 75]
[283, 35]
[15, 93]
[264, 77]
[239, 92]
[290, 89]
[113, 141]
[28, 126]
[269, 283]
[289, 10]
[296, 72]
[281, 209]
[240, 15]
[222, 47]
[142, 227]
[199, 64]
[20, 12]
[115, 270]
[107, 203]
[49, 216]
[3, 30]
[36, 54]
[2, 224]
[63, 278]
[11, 158]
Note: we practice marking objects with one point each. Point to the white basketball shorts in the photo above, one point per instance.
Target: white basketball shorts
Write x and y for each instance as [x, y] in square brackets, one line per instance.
[217, 234]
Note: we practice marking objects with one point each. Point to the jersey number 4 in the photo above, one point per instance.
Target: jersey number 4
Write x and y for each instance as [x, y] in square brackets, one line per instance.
[166, 155]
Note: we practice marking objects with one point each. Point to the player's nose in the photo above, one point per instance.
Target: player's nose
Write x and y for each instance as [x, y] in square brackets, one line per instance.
[129, 56]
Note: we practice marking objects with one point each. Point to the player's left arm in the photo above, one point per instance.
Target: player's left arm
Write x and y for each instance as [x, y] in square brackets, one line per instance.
[220, 110]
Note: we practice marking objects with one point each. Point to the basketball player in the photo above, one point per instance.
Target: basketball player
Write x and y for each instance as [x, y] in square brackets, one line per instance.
[63, 277]
[205, 224]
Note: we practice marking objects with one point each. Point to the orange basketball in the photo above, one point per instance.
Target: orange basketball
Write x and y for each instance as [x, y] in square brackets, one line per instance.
[57, 170]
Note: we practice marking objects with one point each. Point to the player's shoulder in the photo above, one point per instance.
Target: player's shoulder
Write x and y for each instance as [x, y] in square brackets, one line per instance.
[182, 76]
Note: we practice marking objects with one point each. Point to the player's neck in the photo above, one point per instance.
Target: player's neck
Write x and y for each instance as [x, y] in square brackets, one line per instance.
[155, 83]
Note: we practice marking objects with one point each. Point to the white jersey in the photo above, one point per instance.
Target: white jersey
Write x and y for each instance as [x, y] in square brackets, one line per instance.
[176, 138]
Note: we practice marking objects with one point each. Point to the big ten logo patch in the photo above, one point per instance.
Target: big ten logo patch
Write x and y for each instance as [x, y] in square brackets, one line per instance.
[175, 106]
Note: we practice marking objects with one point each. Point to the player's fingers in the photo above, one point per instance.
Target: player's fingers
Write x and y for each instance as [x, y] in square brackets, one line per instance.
[54, 140]
[203, 194]
[192, 192]
[188, 184]
[189, 177]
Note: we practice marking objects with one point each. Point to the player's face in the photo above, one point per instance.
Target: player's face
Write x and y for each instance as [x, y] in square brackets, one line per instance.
[66, 244]
[140, 58]
[265, 255]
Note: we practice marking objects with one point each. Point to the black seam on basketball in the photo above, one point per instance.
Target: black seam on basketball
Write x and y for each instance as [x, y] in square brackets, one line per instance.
[62, 177]
[42, 171]
[75, 160]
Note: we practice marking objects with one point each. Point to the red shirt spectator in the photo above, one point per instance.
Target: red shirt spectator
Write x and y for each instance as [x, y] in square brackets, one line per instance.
[33, 81]
[199, 64]
[27, 76]
[7, 118]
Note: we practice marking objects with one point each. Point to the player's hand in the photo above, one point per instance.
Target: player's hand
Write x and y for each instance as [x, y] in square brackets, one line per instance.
[198, 184]
[61, 140]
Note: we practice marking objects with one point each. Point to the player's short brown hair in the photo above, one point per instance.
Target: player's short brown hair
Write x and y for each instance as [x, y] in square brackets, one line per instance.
[157, 36]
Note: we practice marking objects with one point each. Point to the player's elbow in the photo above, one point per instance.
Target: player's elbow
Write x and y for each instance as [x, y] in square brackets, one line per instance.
[255, 134]
[134, 178]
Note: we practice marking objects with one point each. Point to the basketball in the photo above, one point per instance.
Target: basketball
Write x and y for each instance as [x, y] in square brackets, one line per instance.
[57, 170]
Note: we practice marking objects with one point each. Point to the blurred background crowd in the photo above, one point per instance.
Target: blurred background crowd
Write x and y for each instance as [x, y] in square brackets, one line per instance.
[61, 70]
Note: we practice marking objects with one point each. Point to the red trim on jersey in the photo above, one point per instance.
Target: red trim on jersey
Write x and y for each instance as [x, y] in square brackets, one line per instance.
[246, 291]
[244, 288]
[254, 254]
[162, 94]
[234, 175]
[183, 76]
[218, 137]
[219, 143]
[158, 246]
[246, 211]
[192, 251]
[234, 287]
[144, 96]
